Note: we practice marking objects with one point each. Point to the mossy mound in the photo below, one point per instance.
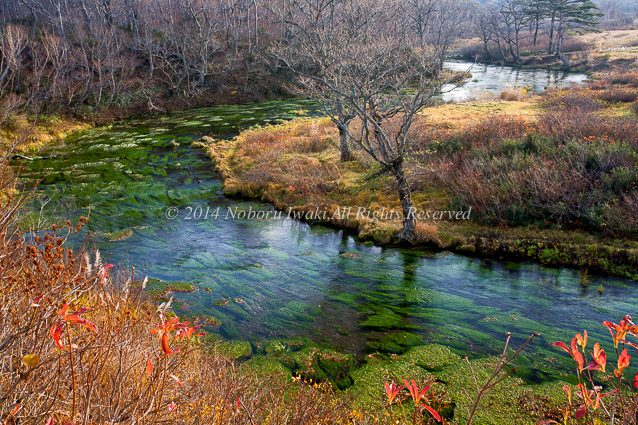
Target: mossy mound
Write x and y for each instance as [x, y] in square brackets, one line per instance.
[385, 319]
[511, 402]
[237, 350]
[265, 367]
[395, 342]
[157, 288]
[278, 347]
[119, 235]
[378, 369]
[316, 365]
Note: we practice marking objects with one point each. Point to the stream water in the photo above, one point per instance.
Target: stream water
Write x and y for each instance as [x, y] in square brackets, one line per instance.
[282, 278]
[490, 80]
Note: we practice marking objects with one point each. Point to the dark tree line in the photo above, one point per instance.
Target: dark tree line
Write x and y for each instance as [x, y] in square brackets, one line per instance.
[85, 55]
[91, 54]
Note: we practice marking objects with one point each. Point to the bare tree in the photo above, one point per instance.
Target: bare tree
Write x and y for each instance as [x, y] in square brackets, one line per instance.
[356, 63]
[13, 42]
[449, 22]
[317, 32]
[514, 19]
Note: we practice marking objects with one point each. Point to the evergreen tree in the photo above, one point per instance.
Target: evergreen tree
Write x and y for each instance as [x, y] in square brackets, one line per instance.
[537, 11]
[573, 15]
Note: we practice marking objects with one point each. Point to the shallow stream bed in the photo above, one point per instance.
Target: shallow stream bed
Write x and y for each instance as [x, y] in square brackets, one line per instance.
[280, 278]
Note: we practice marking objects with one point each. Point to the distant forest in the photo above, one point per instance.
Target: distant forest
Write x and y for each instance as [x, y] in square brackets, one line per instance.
[90, 55]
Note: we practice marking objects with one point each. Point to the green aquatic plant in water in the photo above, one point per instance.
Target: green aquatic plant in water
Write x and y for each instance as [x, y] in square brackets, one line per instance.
[280, 279]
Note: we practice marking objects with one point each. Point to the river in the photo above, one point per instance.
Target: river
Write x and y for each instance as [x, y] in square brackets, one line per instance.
[490, 80]
[281, 278]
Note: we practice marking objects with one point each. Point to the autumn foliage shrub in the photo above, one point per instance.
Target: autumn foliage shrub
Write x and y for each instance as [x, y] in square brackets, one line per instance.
[623, 95]
[567, 100]
[626, 78]
[600, 395]
[573, 125]
[487, 132]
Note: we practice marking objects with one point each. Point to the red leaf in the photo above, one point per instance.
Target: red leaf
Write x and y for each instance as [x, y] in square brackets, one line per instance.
[62, 311]
[592, 366]
[433, 412]
[106, 270]
[579, 359]
[581, 412]
[636, 380]
[164, 345]
[56, 333]
[149, 367]
[562, 345]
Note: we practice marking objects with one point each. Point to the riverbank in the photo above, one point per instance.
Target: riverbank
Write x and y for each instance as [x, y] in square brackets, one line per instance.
[595, 53]
[25, 134]
[295, 166]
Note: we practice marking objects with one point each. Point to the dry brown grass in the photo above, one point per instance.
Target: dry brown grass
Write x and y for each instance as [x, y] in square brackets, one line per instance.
[298, 157]
[610, 39]
[29, 134]
[457, 116]
[426, 232]
[513, 94]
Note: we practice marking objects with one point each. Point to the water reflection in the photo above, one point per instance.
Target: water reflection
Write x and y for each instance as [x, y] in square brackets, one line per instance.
[492, 79]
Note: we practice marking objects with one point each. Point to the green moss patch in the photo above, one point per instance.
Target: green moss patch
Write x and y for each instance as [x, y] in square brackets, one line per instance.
[237, 350]
[157, 288]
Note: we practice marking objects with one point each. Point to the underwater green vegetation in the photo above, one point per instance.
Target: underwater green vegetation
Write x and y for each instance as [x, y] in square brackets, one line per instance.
[305, 300]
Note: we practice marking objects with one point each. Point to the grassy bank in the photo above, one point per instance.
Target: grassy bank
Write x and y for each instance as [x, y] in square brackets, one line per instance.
[27, 134]
[474, 155]
[598, 53]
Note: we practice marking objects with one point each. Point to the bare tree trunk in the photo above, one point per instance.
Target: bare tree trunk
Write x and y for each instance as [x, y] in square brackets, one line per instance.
[551, 33]
[405, 196]
[344, 145]
[486, 47]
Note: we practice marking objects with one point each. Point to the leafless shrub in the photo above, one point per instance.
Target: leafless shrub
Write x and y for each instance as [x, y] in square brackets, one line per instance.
[617, 94]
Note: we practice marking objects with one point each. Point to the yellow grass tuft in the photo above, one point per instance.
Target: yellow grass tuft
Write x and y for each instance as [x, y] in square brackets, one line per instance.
[513, 94]
[426, 232]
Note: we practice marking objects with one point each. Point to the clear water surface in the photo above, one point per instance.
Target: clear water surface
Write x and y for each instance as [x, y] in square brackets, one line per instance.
[492, 79]
[281, 278]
